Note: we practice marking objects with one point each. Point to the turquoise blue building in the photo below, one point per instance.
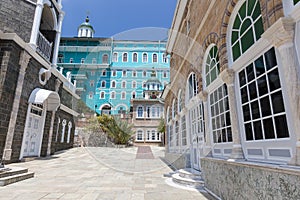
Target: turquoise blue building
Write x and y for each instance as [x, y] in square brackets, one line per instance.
[108, 73]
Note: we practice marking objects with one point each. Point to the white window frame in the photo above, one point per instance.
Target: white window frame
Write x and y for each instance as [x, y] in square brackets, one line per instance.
[123, 84]
[123, 54]
[115, 57]
[154, 54]
[143, 60]
[112, 95]
[137, 57]
[123, 95]
[113, 82]
[137, 138]
[102, 93]
[137, 111]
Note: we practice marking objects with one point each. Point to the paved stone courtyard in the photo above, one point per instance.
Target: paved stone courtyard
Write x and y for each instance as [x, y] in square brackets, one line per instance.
[98, 173]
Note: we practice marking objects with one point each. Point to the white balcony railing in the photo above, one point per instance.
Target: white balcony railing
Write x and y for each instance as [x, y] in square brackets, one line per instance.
[44, 47]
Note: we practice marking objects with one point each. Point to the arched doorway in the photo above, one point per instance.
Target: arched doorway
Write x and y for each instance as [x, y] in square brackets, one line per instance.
[40, 101]
[105, 109]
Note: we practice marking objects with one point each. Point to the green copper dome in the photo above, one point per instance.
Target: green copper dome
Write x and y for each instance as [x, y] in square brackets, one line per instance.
[86, 24]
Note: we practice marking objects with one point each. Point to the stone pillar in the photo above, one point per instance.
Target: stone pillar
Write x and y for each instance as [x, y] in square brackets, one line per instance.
[24, 60]
[281, 35]
[228, 77]
[208, 143]
[57, 85]
[57, 39]
[36, 23]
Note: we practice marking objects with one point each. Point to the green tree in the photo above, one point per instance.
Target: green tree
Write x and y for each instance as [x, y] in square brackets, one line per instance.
[119, 130]
[161, 126]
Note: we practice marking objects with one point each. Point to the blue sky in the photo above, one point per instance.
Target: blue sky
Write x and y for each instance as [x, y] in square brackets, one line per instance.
[118, 17]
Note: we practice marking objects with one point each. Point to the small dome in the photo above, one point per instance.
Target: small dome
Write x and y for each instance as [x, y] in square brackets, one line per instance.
[86, 29]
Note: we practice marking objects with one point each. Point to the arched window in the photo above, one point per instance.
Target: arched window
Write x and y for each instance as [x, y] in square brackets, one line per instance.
[133, 95]
[134, 57]
[113, 84]
[115, 57]
[103, 72]
[173, 109]
[125, 57]
[124, 73]
[133, 84]
[145, 57]
[57, 129]
[102, 95]
[69, 131]
[154, 58]
[192, 86]
[105, 59]
[144, 73]
[139, 135]
[133, 73]
[113, 95]
[64, 123]
[179, 101]
[247, 28]
[123, 95]
[103, 84]
[140, 111]
[123, 84]
[212, 65]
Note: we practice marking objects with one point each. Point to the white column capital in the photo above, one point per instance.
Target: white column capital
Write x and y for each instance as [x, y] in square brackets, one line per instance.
[281, 32]
[227, 76]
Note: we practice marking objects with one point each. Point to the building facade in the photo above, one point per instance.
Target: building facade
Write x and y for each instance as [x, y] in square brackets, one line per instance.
[108, 73]
[147, 113]
[36, 101]
[232, 108]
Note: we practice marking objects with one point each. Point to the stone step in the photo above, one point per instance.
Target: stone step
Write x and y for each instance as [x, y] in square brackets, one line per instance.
[15, 178]
[12, 171]
[188, 182]
[189, 173]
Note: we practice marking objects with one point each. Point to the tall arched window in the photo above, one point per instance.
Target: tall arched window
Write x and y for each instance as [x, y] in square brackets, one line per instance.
[123, 84]
[64, 123]
[145, 57]
[192, 86]
[113, 95]
[123, 95]
[134, 57]
[102, 95]
[133, 84]
[113, 84]
[212, 66]
[105, 59]
[140, 111]
[69, 131]
[247, 28]
[154, 58]
[125, 57]
[103, 84]
[115, 57]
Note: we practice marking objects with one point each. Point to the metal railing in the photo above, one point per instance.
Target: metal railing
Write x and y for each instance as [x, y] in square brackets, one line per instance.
[44, 47]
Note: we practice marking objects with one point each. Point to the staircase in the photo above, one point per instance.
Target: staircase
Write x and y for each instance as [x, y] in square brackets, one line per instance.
[189, 178]
[13, 175]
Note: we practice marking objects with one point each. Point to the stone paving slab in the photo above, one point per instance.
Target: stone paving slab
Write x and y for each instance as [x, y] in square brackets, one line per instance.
[97, 174]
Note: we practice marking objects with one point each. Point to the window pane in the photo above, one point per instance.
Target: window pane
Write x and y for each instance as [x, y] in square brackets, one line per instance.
[252, 90]
[248, 131]
[246, 112]
[250, 72]
[268, 128]
[229, 134]
[247, 40]
[281, 126]
[274, 81]
[237, 23]
[296, 1]
[244, 95]
[265, 106]
[251, 5]
[242, 11]
[270, 58]
[234, 36]
[259, 28]
[255, 110]
[262, 86]
[277, 102]
[224, 138]
[236, 51]
[259, 66]
[256, 12]
[246, 24]
[242, 78]
[257, 130]
[228, 122]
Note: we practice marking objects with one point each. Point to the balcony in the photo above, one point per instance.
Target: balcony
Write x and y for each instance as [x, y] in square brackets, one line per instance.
[44, 47]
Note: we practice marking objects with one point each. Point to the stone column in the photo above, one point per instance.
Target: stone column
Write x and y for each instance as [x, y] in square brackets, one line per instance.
[57, 39]
[57, 85]
[228, 77]
[208, 143]
[24, 60]
[281, 35]
[36, 23]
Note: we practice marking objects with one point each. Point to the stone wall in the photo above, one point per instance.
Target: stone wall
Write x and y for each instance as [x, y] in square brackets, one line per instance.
[16, 16]
[234, 180]
[178, 160]
[9, 53]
